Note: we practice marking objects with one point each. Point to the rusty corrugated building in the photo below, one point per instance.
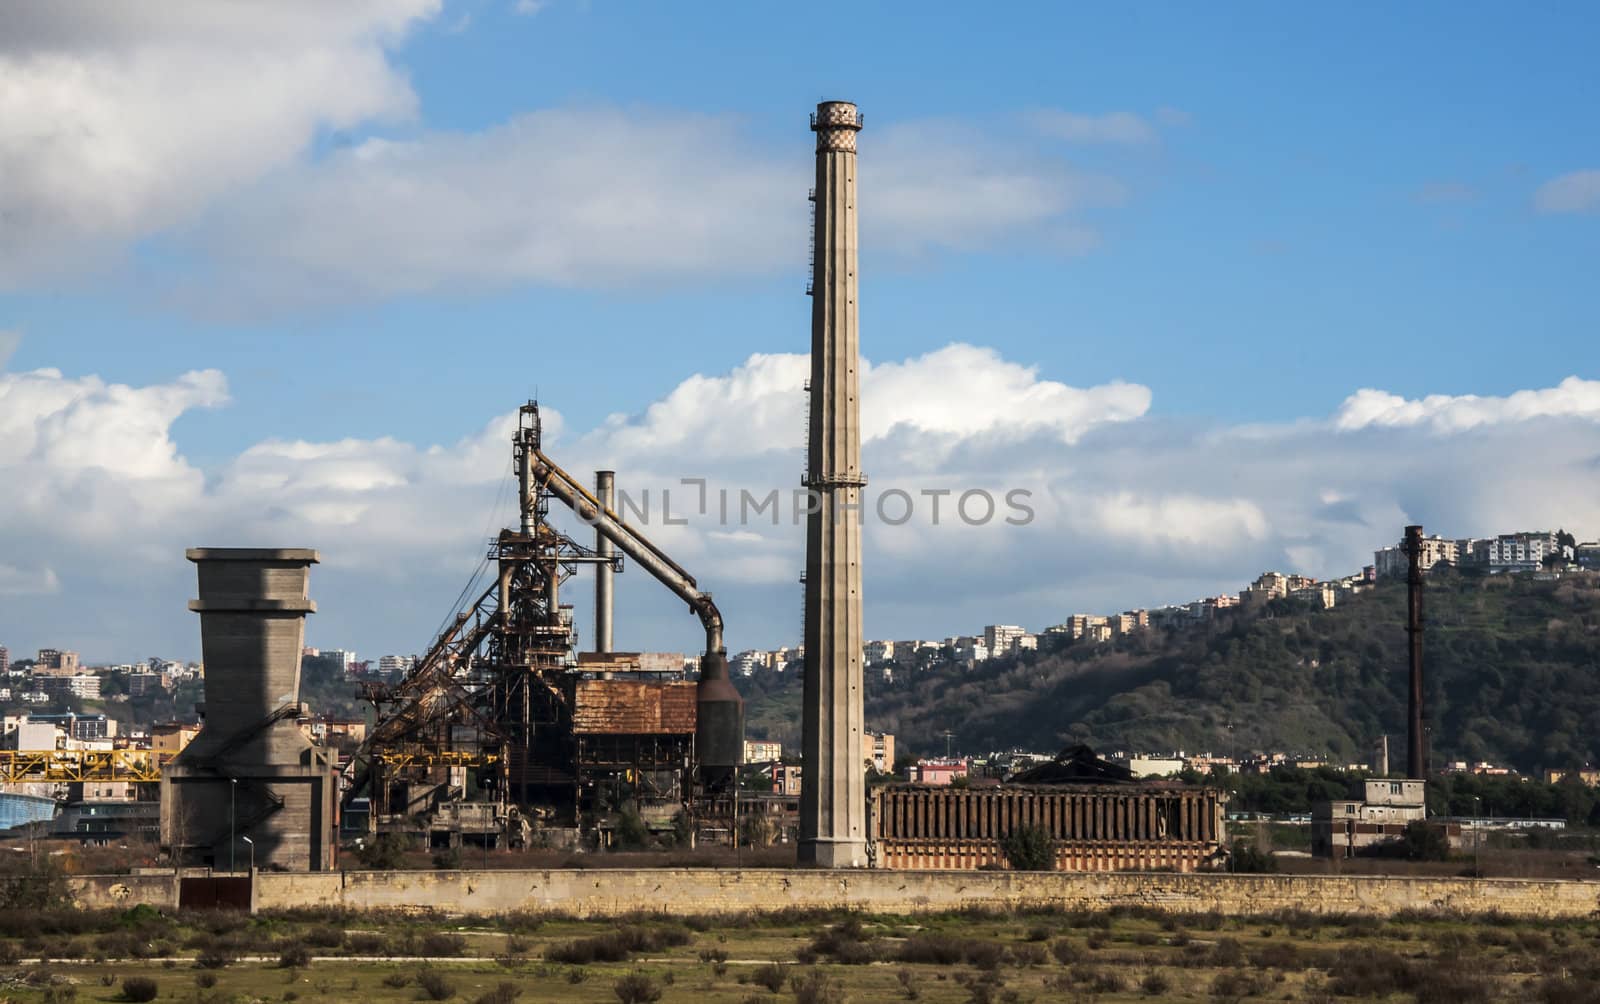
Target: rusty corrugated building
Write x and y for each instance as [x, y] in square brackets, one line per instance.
[1100, 818]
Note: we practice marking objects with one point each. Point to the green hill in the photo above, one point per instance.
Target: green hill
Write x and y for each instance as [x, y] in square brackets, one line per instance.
[1512, 667]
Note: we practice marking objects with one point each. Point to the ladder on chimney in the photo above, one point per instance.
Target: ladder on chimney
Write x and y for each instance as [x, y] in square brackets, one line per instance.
[811, 267]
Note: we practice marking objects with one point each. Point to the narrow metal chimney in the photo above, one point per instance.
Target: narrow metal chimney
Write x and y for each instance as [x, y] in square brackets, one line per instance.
[605, 490]
[833, 802]
[1416, 757]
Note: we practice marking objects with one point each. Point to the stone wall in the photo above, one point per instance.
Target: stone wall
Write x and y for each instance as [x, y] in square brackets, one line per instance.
[602, 893]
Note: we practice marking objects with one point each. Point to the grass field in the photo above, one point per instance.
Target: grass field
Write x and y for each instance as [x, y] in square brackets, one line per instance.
[812, 958]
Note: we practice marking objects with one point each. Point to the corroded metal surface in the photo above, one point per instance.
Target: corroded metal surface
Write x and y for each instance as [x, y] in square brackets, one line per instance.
[626, 707]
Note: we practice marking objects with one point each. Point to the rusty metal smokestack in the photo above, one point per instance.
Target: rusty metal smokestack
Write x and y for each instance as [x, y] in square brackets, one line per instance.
[1416, 757]
[605, 491]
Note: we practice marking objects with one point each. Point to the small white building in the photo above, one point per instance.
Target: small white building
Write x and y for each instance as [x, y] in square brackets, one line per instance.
[1377, 812]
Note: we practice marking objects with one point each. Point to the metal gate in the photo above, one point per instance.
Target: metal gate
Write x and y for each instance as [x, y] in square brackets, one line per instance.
[217, 892]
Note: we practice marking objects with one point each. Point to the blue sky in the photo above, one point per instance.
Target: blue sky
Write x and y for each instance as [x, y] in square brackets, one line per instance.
[1253, 212]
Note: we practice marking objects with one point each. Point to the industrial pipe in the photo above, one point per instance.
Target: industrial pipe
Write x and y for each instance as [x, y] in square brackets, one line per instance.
[605, 491]
[719, 711]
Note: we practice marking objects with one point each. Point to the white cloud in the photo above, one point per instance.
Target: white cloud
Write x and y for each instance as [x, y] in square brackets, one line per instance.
[120, 120]
[1128, 509]
[604, 196]
[1123, 128]
[195, 126]
[16, 581]
[1577, 192]
[528, 8]
[1574, 397]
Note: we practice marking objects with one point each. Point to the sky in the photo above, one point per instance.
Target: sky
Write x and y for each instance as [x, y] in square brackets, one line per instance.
[1220, 289]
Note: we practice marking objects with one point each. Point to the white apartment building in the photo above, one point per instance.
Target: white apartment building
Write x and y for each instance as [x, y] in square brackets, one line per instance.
[746, 663]
[395, 665]
[878, 651]
[999, 638]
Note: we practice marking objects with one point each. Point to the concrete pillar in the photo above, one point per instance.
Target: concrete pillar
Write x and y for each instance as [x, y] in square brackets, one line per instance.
[833, 788]
[250, 771]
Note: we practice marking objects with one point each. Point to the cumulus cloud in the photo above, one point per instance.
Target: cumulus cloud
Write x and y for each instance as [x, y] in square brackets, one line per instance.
[605, 196]
[1574, 397]
[16, 581]
[1116, 507]
[107, 140]
[117, 121]
[1577, 192]
[1123, 128]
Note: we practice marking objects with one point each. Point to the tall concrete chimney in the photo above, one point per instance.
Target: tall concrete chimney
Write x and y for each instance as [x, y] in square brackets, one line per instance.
[833, 803]
[1416, 755]
[605, 484]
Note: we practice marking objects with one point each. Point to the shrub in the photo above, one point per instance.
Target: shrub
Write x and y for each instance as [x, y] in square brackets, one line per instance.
[447, 860]
[503, 993]
[770, 976]
[1226, 953]
[294, 956]
[1155, 983]
[1028, 955]
[365, 944]
[139, 988]
[636, 988]
[1029, 849]
[323, 936]
[435, 985]
[1247, 858]
[1099, 981]
[815, 987]
[386, 853]
[1066, 951]
[1232, 986]
[205, 981]
[437, 943]
[216, 956]
[713, 955]
[845, 943]
[631, 832]
[908, 984]
[1039, 932]
[396, 981]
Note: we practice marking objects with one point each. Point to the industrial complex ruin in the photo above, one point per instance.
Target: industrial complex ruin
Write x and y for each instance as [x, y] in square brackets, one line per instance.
[504, 736]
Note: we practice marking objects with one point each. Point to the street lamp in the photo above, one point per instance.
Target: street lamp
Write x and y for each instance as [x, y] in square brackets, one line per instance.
[233, 798]
[252, 844]
[1477, 830]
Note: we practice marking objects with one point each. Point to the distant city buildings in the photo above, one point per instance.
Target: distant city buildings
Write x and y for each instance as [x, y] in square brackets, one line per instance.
[938, 770]
[880, 751]
[761, 751]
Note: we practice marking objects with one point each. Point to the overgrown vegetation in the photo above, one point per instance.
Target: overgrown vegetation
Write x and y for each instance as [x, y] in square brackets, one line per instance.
[1513, 676]
[1029, 849]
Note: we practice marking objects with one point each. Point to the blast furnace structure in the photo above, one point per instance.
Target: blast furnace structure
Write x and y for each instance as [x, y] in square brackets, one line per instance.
[833, 806]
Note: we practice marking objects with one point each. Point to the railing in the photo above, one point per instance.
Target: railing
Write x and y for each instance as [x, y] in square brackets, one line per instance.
[82, 765]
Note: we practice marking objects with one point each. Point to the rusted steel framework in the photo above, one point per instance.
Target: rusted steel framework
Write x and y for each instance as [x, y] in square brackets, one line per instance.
[1095, 828]
[82, 765]
[500, 692]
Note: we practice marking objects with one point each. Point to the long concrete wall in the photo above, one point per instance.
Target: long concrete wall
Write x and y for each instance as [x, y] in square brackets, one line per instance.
[605, 893]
